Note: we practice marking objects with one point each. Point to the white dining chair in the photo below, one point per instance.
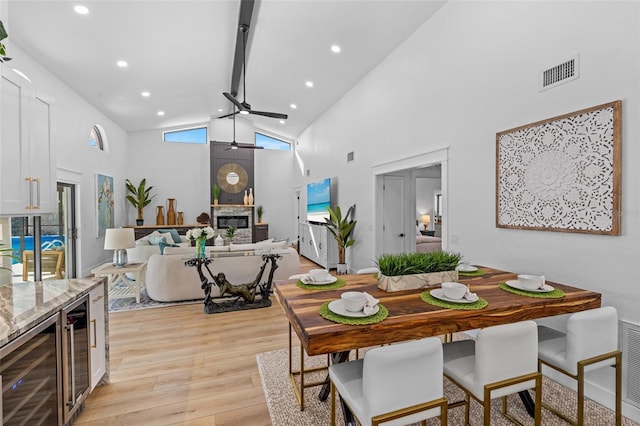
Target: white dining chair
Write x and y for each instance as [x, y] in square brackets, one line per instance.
[590, 343]
[502, 360]
[395, 385]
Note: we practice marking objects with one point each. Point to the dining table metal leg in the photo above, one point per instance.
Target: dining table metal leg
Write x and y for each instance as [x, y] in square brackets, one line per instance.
[336, 357]
[529, 405]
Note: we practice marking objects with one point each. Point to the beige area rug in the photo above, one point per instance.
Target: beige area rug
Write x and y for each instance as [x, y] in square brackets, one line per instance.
[284, 409]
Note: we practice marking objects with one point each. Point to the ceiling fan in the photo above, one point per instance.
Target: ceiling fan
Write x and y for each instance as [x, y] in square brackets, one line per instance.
[233, 144]
[244, 107]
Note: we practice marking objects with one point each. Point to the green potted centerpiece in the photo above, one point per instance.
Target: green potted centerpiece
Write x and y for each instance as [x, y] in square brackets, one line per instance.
[408, 271]
[341, 227]
[231, 232]
[139, 197]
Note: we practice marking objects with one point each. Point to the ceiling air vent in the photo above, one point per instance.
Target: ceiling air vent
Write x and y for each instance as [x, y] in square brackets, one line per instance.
[559, 73]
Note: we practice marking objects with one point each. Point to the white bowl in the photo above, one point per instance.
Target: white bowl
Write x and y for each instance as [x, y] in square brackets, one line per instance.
[353, 301]
[530, 282]
[319, 274]
[453, 290]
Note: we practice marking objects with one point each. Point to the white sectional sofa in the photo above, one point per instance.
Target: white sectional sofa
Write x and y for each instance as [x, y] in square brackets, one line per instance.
[148, 245]
[169, 280]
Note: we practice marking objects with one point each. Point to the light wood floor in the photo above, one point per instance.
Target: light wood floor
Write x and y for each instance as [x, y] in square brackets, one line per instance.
[179, 366]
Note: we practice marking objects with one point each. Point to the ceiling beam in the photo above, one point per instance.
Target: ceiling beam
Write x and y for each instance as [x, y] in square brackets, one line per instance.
[244, 18]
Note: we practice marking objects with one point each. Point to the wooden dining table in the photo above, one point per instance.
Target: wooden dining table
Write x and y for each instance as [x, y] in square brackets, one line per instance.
[411, 318]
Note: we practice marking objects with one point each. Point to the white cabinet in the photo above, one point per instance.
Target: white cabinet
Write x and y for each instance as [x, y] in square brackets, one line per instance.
[97, 334]
[318, 245]
[28, 181]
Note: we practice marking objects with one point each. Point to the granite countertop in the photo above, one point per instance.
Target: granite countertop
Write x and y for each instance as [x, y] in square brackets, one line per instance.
[24, 305]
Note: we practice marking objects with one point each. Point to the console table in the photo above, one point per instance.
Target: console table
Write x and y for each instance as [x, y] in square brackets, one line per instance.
[235, 297]
[144, 230]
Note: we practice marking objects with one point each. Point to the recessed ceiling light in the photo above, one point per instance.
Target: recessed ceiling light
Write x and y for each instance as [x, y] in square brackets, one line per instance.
[335, 48]
[122, 64]
[220, 109]
[81, 10]
[145, 94]
[309, 83]
[293, 106]
[160, 113]
[21, 74]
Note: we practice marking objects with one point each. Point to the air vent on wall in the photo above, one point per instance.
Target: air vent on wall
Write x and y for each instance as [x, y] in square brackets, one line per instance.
[349, 157]
[568, 69]
[631, 362]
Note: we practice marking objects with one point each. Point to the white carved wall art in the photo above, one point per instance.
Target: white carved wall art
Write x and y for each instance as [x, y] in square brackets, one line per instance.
[562, 174]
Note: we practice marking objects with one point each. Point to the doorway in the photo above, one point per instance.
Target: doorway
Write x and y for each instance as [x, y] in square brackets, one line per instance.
[408, 168]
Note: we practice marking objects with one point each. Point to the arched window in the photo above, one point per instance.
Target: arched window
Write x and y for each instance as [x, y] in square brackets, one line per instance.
[96, 137]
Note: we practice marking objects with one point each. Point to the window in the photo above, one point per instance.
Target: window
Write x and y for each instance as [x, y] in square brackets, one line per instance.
[192, 135]
[268, 142]
[96, 137]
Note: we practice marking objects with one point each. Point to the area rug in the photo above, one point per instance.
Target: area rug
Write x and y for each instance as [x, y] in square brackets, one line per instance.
[284, 409]
[122, 304]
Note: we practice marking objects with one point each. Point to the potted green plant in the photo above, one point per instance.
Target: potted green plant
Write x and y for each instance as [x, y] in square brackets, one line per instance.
[406, 271]
[259, 212]
[341, 227]
[231, 232]
[139, 197]
[216, 194]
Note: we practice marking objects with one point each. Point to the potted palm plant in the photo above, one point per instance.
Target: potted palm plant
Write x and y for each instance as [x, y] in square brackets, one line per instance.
[139, 197]
[341, 227]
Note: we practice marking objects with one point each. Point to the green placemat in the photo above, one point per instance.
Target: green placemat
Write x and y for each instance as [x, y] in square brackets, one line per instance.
[339, 283]
[478, 304]
[478, 273]
[554, 294]
[379, 316]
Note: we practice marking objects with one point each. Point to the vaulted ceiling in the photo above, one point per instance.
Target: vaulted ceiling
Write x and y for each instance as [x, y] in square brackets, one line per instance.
[182, 53]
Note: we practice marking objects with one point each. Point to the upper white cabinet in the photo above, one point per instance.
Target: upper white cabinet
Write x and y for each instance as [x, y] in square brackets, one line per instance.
[27, 182]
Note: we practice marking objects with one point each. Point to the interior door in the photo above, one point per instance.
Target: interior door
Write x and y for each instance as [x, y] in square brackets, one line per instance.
[392, 214]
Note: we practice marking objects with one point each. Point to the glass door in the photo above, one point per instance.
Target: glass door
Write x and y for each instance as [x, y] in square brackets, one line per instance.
[54, 233]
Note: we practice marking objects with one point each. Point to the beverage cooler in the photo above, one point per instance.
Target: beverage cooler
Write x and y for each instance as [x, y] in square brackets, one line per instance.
[29, 374]
[44, 374]
[75, 356]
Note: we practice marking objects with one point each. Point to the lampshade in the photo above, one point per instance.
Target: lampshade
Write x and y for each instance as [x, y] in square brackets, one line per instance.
[425, 219]
[119, 238]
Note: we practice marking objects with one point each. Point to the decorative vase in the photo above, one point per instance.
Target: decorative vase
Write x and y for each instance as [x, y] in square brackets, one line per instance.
[180, 218]
[215, 201]
[160, 216]
[246, 198]
[171, 212]
[200, 246]
[219, 241]
[250, 198]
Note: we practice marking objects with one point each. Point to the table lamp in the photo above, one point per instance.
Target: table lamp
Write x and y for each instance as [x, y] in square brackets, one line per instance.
[425, 219]
[119, 240]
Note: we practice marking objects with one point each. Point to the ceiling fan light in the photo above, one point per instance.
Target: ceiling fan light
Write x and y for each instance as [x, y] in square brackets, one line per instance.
[244, 112]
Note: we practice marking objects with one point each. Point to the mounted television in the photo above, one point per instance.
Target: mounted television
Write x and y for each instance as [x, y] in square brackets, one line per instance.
[318, 199]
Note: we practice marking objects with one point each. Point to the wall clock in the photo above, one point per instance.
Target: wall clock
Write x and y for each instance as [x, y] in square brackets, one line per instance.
[232, 178]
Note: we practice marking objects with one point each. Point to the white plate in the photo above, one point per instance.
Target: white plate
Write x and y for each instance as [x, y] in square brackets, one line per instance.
[438, 293]
[337, 307]
[463, 267]
[329, 280]
[516, 284]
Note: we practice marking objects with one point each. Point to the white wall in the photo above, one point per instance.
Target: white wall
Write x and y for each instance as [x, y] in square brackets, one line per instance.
[469, 72]
[73, 118]
[175, 170]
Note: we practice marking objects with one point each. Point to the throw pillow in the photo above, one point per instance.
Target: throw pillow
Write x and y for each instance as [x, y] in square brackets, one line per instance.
[155, 240]
[164, 244]
[174, 235]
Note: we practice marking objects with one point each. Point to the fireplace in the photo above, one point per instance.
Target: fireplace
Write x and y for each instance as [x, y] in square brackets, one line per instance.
[240, 222]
